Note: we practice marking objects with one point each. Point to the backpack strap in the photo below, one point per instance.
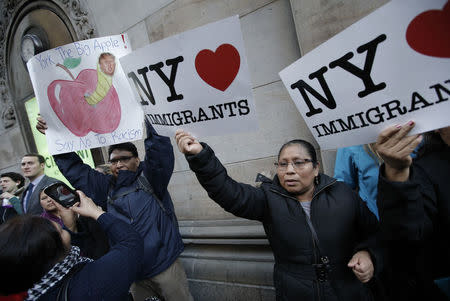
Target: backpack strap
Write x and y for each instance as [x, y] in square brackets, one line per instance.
[64, 288]
[141, 183]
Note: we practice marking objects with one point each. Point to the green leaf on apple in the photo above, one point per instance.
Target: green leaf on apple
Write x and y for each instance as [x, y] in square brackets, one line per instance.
[71, 63]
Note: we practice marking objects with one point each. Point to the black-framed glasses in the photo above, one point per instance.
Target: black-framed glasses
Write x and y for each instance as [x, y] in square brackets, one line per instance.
[297, 164]
[123, 159]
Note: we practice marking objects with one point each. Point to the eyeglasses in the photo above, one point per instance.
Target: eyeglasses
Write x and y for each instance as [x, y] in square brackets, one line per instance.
[123, 159]
[297, 164]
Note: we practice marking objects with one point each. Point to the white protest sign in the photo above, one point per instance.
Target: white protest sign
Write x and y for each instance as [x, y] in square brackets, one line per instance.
[197, 80]
[84, 96]
[388, 68]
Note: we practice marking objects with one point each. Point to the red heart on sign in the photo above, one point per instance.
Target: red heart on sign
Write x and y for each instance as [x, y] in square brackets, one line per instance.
[428, 33]
[218, 69]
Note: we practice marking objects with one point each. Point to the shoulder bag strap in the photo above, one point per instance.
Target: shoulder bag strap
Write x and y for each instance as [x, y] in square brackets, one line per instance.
[63, 292]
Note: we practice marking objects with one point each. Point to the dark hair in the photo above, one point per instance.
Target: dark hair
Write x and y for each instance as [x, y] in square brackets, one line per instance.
[306, 145]
[432, 142]
[40, 157]
[29, 246]
[15, 177]
[127, 146]
[105, 54]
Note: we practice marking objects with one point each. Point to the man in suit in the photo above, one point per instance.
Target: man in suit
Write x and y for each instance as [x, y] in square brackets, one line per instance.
[33, 169]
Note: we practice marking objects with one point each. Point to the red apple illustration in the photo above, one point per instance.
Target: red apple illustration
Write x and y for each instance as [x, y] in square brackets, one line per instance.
[67, 99]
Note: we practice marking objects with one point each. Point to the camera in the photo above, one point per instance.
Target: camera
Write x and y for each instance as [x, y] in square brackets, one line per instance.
[63, 194]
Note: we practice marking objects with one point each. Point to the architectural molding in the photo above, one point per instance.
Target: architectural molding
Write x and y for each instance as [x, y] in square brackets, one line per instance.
[10, 10]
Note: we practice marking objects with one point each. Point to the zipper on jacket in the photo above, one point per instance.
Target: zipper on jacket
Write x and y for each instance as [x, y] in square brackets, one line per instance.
[316, 282]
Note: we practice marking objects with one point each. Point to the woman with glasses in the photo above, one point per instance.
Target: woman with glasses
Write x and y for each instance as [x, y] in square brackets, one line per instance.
[321, 233]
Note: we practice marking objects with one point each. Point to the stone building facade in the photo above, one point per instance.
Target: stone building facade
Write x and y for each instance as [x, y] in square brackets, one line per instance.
[226, 258]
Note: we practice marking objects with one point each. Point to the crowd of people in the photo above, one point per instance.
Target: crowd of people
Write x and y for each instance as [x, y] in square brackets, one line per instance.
[378, 230]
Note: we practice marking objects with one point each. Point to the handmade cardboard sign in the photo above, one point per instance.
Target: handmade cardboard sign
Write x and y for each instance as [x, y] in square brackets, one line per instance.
[388, 68]
[198, 80]
[84, 96]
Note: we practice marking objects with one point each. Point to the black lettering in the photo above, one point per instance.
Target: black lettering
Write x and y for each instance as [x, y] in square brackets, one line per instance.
[202, 115]
[417, 98]
[350, 125]
[138, 85]
[438, 88]
[328, 100]
[187, 114]
[230, 105]
[396, 106]
[173, 72]
[168, 117]
[214, 111]
[363, 74]
[329, 130]
[178, 119]
[243, 107]
[316, 127]
[379, 115]
[361, 118]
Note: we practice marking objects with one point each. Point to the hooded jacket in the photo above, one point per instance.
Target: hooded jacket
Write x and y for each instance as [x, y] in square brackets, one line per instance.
[157, 226]
[343, 223]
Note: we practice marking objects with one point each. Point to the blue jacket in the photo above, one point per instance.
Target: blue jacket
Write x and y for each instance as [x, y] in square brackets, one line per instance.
[355, 167]
[158, 227]
[109, 277]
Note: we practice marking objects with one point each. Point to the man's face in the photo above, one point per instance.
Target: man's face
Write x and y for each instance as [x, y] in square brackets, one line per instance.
[31, 167]
[108, 65]
[8, 185]
[123, 160]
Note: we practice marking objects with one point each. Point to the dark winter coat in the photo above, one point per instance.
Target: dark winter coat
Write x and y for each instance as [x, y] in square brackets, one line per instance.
[415, 222]
[343, 223]
[109, 277]
[158, 227]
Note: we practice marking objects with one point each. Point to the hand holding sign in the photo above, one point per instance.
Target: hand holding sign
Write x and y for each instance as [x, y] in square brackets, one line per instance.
[395, 147]
[375, 73]
[92, 108]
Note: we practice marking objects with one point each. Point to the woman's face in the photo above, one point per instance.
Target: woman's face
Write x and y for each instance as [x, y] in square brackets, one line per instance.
[65, 236]
[47, 202]
[296, 180]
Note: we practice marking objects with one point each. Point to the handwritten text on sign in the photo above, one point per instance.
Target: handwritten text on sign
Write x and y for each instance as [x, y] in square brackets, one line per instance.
[84, 96]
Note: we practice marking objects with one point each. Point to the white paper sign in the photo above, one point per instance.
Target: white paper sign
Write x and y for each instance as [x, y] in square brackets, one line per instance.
[84, 96]
[198, 80]
[389, 68]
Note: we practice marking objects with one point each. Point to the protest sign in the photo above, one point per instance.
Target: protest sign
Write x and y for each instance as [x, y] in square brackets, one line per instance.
[198, 80]
[388, 68]
[84, 96]
[51, 169]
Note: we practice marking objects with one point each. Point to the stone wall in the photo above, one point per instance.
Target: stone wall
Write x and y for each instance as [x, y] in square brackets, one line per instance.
[227, 258]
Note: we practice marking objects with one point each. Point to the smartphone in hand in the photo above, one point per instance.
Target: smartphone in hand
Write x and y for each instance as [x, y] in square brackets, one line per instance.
[63, 194]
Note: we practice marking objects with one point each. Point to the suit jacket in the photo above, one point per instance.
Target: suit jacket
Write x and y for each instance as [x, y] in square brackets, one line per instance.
[34, 204]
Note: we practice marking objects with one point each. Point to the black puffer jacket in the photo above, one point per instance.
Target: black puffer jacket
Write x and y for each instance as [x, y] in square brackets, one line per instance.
[342, 221]
[415, 222]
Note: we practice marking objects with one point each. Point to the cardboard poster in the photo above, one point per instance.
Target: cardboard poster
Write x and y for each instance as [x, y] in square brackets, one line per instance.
[51, 169]
[197, 80]
[84, 96]
[388, 68]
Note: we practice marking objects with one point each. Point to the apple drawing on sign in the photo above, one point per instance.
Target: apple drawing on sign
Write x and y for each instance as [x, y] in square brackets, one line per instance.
[68, 100]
